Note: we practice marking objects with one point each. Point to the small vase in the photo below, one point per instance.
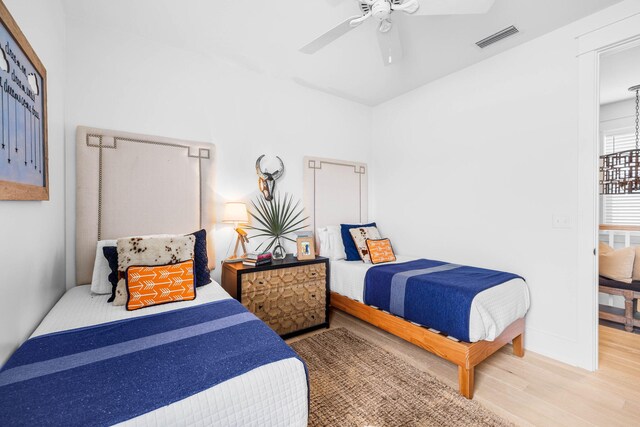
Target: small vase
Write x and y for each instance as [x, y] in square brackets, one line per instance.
[278, 250]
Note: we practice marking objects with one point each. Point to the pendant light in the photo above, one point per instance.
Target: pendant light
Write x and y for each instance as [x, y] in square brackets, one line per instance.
[620, 172]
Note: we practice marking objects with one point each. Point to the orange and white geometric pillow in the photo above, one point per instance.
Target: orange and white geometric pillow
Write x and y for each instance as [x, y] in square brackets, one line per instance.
[150, 250]
[380, 251]
[160, 284]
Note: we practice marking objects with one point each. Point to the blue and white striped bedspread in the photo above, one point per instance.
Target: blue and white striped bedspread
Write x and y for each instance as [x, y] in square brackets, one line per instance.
[431, 293]
[105, 374]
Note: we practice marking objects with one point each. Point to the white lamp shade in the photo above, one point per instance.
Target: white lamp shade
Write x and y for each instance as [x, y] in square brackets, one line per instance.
[235, 212]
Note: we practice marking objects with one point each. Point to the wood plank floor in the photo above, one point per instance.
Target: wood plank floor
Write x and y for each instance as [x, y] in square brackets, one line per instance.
[536, 390]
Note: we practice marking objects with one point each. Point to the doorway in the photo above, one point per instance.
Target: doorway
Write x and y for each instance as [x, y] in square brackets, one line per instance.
[593, 47]
[618, 214]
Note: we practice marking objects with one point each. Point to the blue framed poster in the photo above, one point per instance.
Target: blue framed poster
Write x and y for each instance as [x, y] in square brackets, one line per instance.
[23, 116]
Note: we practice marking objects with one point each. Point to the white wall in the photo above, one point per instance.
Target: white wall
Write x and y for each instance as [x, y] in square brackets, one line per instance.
[121, 81]
[32, 253]
[472, 168]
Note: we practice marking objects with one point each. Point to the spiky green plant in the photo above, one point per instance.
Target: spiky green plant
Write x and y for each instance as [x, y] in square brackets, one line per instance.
[276, 219]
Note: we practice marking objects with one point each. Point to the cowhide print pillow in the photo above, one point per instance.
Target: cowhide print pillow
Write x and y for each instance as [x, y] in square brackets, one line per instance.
[149, 251]
[360, 236]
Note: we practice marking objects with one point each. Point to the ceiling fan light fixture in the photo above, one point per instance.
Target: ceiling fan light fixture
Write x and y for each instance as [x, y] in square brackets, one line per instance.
[385, 26]
[381, 9]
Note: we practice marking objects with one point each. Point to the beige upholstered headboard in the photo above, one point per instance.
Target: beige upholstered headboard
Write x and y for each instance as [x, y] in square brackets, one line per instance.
[335, 191]
[131, 185]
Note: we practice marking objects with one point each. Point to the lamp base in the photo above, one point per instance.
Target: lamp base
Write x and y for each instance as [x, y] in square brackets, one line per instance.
[242, 237]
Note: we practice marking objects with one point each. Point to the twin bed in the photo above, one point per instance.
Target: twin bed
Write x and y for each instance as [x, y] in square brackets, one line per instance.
[202, 362]
[207, 361]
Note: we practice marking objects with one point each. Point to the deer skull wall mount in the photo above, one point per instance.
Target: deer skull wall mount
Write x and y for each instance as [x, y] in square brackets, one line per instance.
[267, 180]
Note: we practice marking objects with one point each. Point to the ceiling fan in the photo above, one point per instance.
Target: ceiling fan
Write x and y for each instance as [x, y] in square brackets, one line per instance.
[383, 10]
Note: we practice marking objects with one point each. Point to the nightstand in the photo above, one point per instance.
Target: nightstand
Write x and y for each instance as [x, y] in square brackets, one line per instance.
[290, 296]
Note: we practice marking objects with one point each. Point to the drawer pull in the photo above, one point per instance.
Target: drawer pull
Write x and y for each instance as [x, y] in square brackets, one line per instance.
[314, 273]
[260, 282]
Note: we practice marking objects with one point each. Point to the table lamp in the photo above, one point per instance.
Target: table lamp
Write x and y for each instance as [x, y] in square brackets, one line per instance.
[236, 214]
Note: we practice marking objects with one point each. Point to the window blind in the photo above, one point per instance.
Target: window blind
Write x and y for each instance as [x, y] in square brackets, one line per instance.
[621, 209]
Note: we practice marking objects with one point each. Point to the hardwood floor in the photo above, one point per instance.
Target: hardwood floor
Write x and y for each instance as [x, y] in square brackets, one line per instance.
[536, 390]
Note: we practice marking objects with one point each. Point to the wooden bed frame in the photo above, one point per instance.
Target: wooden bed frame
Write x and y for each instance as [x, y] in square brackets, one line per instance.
[466, 355]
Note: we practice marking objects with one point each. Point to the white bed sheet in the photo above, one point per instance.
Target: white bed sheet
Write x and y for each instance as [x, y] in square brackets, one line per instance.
[271, 395]
[491, 310]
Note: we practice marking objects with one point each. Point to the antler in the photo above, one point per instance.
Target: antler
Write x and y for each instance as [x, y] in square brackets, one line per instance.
[258, 170]
[278, 173]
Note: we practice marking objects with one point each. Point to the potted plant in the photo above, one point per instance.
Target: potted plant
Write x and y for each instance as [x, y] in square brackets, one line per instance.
[276, 220]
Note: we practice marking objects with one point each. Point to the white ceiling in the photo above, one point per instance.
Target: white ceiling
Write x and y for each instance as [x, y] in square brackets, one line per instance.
[619, 72]
[266, 35]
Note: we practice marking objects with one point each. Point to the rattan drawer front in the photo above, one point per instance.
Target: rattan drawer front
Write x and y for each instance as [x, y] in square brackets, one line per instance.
[291, 276]
[297, 321]
[287, 299]
[281, 300]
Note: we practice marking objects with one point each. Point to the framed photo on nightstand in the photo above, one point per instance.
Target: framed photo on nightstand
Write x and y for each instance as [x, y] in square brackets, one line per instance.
[306, 248]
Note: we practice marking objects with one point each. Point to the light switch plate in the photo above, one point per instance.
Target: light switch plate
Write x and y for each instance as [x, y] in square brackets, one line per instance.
[561, 221]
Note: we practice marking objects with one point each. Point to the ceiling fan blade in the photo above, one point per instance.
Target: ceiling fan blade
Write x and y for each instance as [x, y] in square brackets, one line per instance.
[330, 36]
[453, 7]
[390, 45]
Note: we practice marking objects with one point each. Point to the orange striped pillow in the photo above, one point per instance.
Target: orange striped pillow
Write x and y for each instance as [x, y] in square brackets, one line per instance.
[380, 251]
[159, 284]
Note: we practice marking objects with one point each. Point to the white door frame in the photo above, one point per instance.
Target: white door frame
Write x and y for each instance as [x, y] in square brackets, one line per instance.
[619, 34]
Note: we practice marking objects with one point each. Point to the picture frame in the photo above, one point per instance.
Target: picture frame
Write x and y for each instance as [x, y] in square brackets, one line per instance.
[306, 248]
[24, 169]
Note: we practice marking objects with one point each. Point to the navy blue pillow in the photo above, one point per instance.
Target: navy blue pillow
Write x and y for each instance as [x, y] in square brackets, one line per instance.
[201, 274]
[349, 245]
[111, 254]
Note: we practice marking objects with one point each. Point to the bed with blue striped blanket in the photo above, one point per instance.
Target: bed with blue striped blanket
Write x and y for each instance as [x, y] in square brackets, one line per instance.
[431, 293]
[112, 372]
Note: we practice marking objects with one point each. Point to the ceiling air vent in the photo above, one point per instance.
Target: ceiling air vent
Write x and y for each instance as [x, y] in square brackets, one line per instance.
[503, 34]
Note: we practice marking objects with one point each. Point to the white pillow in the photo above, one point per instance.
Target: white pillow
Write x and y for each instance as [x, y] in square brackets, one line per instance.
[336, 243]
[330, 241]
[100, 281]
[323, 241]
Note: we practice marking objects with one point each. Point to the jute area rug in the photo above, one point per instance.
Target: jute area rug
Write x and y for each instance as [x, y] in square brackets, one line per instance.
[356, 383]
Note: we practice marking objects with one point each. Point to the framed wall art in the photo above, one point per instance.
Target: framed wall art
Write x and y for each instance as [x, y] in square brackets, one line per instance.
[23, 116]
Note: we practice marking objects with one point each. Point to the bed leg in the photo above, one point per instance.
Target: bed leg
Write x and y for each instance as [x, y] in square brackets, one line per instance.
[465, 381]
[518, 345]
